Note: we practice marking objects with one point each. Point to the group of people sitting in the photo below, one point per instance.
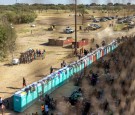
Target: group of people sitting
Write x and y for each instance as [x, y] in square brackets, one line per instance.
[31, 55]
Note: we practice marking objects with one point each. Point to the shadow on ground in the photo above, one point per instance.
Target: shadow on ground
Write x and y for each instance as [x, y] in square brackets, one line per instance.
[13, 88]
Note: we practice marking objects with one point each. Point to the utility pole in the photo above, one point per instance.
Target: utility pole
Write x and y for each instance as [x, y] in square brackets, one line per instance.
[75, 27]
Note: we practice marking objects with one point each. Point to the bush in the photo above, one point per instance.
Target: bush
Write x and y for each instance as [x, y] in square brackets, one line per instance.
[25, 17]
[7, 39]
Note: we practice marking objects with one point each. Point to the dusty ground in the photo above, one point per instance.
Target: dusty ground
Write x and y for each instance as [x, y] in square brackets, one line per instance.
[11, 76]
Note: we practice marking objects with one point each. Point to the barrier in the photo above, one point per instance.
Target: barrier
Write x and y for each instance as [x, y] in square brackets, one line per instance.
[28, 95]
[34, 91]
[70, 70]
[20, 101]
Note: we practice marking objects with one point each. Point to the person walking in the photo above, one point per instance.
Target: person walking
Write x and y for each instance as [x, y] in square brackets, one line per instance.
[24, 82]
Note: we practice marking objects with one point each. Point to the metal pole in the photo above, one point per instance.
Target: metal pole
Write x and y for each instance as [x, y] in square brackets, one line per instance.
[75, 27]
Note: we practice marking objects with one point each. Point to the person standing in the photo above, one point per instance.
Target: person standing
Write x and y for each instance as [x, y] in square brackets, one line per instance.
[24, 82]
[46, 109]
[51, 69]
[1, 102]
[43, 54]
[64, 63]
[61, 65]
[42, 108]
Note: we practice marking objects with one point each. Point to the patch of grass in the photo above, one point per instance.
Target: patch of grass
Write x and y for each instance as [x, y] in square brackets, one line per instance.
[119, 27]
[23, 30]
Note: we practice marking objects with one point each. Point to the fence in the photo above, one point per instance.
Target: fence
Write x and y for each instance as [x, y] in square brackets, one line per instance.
[28, 95]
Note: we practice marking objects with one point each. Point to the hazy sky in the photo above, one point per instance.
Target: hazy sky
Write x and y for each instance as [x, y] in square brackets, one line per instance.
[4, 2]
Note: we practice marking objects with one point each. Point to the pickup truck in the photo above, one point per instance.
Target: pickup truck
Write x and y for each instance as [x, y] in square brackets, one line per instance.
[68, 30]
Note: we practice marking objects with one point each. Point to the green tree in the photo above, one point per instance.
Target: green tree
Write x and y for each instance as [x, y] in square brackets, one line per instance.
[7, 38]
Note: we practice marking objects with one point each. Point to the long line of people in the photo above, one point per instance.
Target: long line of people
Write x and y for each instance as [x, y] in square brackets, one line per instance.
[31, 54]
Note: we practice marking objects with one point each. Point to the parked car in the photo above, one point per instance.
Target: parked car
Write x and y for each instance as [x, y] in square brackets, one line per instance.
[130, 26]
[127, 21]
[68, 30]
[15, 61]
[96, 20]
[97, 26]
[112, 17]
[94, 26]
[120, 21]
[32, 25]
[108, 18]
[103, 19]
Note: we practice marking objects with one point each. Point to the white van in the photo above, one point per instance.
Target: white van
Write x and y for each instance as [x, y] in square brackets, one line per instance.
[15, 61]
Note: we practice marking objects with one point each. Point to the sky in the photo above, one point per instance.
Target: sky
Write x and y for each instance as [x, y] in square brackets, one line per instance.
[7, 2]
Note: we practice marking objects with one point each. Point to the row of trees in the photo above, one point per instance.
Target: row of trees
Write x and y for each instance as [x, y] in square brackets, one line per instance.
[20, 13]
[30, 8]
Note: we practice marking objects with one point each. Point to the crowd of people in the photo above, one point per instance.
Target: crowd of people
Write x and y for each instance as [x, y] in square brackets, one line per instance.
[109, 86]
[112, 82]
[31, 54]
